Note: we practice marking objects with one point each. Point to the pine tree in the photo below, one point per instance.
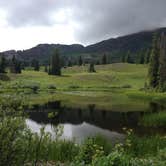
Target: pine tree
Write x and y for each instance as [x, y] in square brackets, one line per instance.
[123, 58]
[80, 61]
[18, 67]
[70, 63]
[162, 63]
[141, 57]
[35, 64]
[147, 56]
[92, 68]
[3, 64]
[154, 63]
[46, 69]
[15, 66]
[128, 58]
[55, 68]
[36, 67]
[49, 69]
[104, 59]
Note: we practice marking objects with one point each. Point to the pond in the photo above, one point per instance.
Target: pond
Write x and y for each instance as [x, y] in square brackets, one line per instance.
[80, 123]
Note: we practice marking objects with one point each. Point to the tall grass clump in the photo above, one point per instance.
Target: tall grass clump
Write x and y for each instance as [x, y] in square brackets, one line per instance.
[154, 119]
[143, 146]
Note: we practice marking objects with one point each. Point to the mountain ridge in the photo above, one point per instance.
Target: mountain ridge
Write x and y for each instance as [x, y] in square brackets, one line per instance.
[113, 47]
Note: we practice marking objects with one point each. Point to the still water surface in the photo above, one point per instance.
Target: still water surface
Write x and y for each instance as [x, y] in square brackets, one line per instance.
[80, 123]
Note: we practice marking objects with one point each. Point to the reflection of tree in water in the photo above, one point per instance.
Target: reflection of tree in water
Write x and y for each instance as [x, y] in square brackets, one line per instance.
[91, 110]
[155, 107]
[110, 120]
[80, 114]
[55, 104]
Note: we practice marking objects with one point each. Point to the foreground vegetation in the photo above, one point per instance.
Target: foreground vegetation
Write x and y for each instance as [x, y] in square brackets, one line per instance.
[27, 148]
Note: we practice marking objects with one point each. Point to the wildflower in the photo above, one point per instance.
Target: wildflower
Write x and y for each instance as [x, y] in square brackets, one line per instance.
[124, 128]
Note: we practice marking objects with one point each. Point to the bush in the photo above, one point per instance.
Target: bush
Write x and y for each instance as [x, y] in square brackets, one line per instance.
[51, 87]
[89, 150]
[115, 158]
[74, 87]
[154, 120]
[145, 146]
[34, 87]
[126, 86]
[4, 77]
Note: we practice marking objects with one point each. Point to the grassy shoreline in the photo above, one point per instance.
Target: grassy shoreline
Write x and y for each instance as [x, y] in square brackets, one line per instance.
[112, 85]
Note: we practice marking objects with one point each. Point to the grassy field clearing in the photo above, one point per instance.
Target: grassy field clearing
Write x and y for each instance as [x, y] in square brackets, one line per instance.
[112, 87]
[107, 76]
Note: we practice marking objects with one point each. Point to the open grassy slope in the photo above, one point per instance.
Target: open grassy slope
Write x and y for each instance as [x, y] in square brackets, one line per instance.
[107, 76]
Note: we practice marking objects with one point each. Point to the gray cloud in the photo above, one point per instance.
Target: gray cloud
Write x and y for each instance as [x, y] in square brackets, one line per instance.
[95, 19]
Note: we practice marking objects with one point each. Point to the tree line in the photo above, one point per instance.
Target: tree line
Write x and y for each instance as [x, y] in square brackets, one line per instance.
[13, 64]
[142, 57]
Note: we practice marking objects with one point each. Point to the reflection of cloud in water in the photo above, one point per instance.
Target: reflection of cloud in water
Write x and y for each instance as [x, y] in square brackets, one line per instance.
[35, 127]
[84, 130]
[77, 132]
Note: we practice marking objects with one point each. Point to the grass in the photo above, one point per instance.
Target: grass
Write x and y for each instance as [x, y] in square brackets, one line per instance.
[113, 87]
[154, 120]
[107, 76]
[106, 88]
[145, 146]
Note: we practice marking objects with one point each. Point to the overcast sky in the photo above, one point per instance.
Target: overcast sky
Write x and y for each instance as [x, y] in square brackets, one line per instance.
[26, 23]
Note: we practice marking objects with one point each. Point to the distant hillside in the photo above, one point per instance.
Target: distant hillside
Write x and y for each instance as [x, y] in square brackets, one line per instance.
[43, 51]
[114, 48]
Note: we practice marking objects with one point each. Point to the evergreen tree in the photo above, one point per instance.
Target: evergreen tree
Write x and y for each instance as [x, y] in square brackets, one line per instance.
[46, 69]
[92, 68]
[128, 57]
[70, 63]
[36, 67]
[98, 62]
[104, 59]
[55, 68]
[15, 66]
[162, 63]
[147, 56]
[3, 64]
[154, 63]
[49, 69]
[62, 61]
[35, 64]
[123, 58]
[80, 61]
[141, 57]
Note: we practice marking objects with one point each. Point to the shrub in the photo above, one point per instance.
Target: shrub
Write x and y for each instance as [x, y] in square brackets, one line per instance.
[33, 86]
[115, 158]
[4, 77]
[145, 146]
[51, 87]
[126, 86]
[154, 120]
[88, 151]
[74, 87]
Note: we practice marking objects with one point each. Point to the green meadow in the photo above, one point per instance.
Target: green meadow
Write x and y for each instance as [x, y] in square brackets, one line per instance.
[107, 76]
[109, 88]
